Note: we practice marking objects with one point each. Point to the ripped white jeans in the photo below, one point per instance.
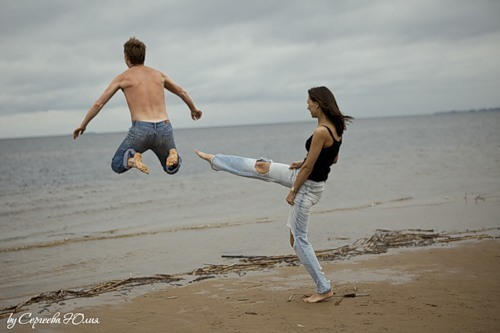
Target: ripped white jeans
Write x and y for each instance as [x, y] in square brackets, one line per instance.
[308, 195]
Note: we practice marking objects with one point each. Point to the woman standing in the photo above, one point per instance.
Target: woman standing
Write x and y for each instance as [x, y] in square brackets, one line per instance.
[306, 179]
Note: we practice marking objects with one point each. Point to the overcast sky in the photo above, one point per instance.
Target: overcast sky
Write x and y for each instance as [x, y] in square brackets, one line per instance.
[246, 62]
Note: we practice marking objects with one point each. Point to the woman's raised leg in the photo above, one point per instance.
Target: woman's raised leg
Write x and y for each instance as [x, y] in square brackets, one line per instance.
[262, 169]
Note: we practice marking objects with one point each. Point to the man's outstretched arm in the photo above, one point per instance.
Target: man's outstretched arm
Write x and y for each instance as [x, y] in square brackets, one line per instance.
[97, 106]
[176, 89]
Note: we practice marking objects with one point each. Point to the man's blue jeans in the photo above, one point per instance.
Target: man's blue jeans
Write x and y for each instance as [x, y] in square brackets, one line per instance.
[142, 136]
[308, 195]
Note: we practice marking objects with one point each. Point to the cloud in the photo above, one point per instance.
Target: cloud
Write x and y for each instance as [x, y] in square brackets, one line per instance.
[252, 61]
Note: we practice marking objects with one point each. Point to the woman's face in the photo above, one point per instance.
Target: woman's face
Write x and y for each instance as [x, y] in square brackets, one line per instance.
[313, 107]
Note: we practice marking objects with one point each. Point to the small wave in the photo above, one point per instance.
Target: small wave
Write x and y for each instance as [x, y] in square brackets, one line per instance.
[88, 238]
[371, 204]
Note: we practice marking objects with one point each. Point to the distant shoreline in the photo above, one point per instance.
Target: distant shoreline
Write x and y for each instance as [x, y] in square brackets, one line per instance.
[468, 111]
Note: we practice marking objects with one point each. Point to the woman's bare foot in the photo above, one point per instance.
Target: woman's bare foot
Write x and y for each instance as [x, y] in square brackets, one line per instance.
[136, 162]
[173, 158]
[315, 298]
[205, 156]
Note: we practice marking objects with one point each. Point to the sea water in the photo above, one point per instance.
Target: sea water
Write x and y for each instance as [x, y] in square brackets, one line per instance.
[66, 220]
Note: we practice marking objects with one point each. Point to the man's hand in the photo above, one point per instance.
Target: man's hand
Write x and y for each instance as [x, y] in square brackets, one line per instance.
[79, 131]
[196, 114]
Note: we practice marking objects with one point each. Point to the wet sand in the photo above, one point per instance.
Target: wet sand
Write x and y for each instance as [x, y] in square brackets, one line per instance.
[429, 290]
[432, 289]
[441, 288]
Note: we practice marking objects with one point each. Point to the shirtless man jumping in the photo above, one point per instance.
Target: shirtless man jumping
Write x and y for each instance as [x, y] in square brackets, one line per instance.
[151, 129]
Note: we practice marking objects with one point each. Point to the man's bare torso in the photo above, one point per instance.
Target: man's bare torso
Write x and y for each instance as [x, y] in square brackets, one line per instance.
[144, 89]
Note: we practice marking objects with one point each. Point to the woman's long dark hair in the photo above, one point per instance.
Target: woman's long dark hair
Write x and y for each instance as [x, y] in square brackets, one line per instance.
[328, 104]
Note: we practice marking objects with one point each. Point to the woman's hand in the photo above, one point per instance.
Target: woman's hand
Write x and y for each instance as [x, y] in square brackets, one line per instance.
[296, 165]
[291, 198]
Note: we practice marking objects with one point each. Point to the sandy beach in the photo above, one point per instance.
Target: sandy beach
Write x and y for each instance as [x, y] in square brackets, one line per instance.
[429, 290]
[450, 288]
[445, 287]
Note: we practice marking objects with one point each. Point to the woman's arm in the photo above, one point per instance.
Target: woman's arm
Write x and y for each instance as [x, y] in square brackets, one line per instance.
[319, 138]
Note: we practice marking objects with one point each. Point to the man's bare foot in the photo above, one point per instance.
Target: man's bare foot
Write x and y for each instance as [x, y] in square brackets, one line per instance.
[173, 158]
[315, 298]
[205, 156]
[136, 162]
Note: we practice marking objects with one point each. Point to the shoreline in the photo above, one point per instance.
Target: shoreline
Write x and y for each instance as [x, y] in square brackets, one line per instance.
[171, 253]
[432, 288]
[110, 293]
[381, 242]
[141, 269]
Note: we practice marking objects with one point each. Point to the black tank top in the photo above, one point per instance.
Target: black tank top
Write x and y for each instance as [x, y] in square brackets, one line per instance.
[325, 159]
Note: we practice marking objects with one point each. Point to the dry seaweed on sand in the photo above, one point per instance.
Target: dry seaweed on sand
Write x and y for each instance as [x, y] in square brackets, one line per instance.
[380, 242]
[94, 290]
